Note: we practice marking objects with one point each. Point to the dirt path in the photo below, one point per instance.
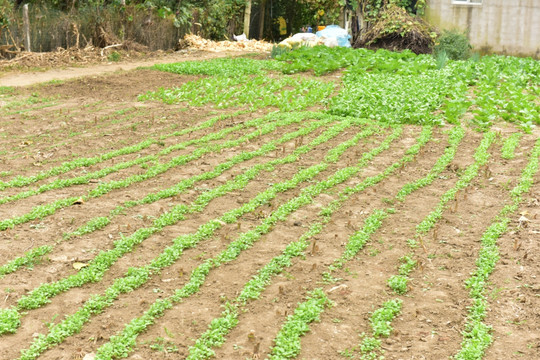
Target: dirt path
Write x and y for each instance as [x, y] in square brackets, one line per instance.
[36, 77]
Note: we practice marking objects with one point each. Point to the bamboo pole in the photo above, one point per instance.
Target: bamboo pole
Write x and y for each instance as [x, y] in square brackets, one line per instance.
[26, 28]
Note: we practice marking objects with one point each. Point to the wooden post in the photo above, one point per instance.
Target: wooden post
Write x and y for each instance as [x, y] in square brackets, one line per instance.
[26, 28]
[247, 18]
[261, 24]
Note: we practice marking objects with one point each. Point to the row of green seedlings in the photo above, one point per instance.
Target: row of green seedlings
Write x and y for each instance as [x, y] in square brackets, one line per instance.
[261, 91]
[287, 342]
[399, 283]
[136, 277]
[86, 178]
[99, 265]
[20, 181]
[33, 102]
[122, 344]
[103, 188]
[153, 134]
[509, 146]
[381, 318]
[477, 335]
[98, 223]
[370, 347]
[255, 286]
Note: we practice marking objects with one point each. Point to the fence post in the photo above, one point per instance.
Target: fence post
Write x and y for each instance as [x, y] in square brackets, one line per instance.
[26, 28]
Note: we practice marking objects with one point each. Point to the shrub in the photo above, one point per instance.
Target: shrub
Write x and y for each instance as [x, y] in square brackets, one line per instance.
[455, 44]
[114, 56]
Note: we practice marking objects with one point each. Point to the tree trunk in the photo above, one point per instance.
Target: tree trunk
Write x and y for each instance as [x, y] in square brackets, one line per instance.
[247, 18]
[261, 23]
[26, 28]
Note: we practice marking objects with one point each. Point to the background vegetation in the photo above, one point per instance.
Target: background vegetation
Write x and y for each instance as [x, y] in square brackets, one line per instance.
[158, 24]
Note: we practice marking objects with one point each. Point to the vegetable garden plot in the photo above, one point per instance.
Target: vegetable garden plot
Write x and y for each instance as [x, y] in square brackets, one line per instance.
[268, 214]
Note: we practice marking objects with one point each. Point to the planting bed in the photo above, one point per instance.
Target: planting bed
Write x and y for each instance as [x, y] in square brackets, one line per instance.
[330, 204]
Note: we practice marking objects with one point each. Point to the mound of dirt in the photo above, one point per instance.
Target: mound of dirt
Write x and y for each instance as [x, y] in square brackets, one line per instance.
[397, 30]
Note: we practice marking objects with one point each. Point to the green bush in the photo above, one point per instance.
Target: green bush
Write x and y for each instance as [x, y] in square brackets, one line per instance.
[114, 56]
[455, 44]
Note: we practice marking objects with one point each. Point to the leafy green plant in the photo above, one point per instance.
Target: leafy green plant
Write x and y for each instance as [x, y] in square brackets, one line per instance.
[441, 57]
[454, 44]
[382, 317]
[287, 341]
[398, 283]
[510, 145]
[114, 56]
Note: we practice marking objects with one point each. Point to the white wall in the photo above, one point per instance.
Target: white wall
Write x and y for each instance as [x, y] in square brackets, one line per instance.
[501, 26]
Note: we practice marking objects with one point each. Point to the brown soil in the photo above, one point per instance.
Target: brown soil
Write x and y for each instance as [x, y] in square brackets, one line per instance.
[36, 72]
[45, 125]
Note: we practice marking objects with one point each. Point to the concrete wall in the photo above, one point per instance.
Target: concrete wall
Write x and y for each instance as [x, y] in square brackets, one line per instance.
[502, 26]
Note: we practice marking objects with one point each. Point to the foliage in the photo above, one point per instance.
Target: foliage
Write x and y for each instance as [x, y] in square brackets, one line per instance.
[398, 283]
[5, 9]
[114, 56]
[454, 44]
[227, 67]
[233, 86]
[287, 341]
[441, 57]
[510, 145]
[382, 317]
[373, 8]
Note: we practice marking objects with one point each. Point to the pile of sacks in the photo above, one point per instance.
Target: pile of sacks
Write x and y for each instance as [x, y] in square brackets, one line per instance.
[331, 36]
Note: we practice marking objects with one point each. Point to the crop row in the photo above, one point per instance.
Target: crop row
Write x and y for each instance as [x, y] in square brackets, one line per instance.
[476, 335]
[253, 288]
[261, 91]
[370, 346]
[104, 260]
[100, 222]
[20, 181]
[103, 188]
[138, 276]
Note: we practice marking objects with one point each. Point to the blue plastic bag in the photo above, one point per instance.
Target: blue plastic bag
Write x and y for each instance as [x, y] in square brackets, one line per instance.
[337, 32]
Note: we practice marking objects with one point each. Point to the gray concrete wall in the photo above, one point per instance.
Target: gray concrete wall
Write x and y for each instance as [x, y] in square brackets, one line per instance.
[502, 26]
